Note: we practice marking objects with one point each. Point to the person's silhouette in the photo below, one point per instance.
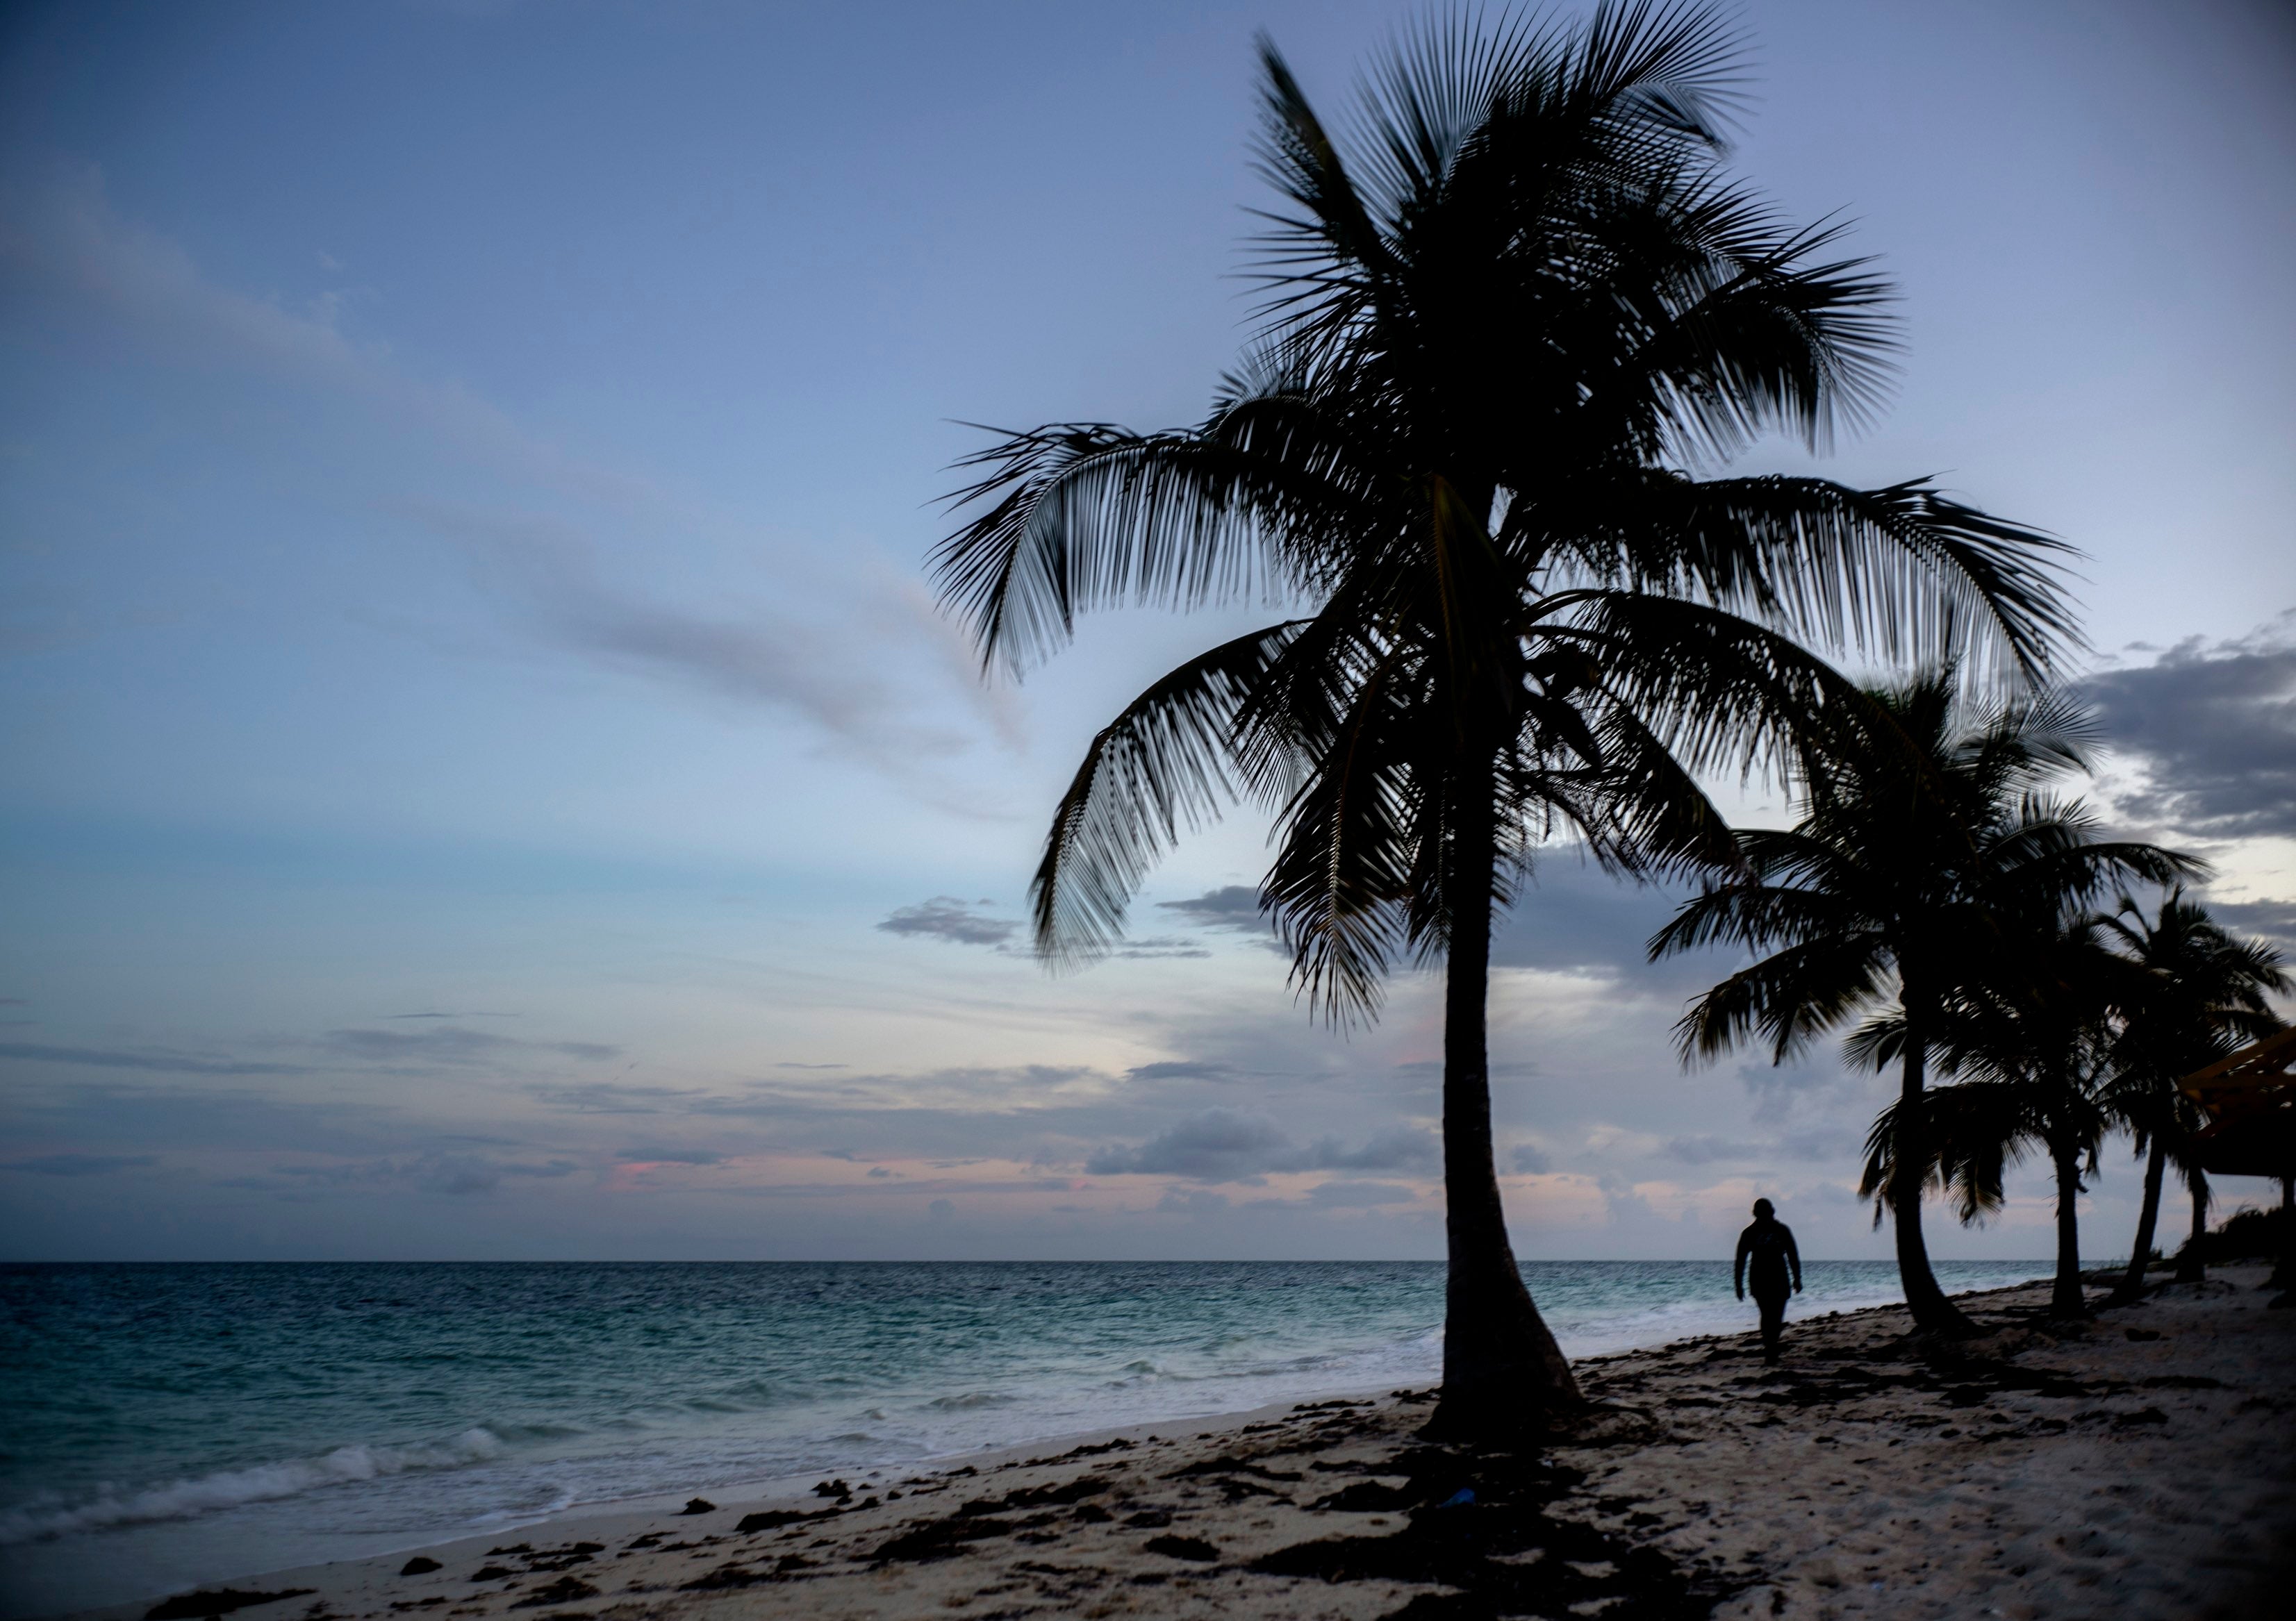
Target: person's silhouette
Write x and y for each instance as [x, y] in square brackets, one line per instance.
[1769, 1244]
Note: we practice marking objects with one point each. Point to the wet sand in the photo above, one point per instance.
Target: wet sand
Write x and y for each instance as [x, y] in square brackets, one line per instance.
[2143, 1465]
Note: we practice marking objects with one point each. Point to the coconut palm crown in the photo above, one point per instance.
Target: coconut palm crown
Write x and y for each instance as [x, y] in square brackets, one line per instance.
[1510, 305]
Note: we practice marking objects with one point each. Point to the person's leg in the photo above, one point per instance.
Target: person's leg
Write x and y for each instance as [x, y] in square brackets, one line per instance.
[1773, 1324]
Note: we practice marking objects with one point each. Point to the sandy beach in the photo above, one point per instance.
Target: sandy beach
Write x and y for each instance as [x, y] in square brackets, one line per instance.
[2143, 1465]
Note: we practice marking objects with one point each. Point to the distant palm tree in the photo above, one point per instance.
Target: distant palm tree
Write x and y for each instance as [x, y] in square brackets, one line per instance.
[1503, 313]
[2032, 1038]
[1912, 869]
[2205, 997]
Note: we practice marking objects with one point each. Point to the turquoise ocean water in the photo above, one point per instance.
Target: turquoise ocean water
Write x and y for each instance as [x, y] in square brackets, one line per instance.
[172, 1424]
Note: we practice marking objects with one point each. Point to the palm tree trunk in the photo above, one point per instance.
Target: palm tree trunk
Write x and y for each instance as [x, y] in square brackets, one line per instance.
[2148, 1217]
[2284, 1270]
[1933, 1313]
[2191, 1267]
[2066, 1299]
[1501, 1370]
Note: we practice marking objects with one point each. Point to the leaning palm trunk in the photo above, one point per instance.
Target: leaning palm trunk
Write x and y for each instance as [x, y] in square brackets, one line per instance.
[2148, 1216]
[2066, 1298]
[2192, 1266]
[1502, 1370]
[1932, 1311]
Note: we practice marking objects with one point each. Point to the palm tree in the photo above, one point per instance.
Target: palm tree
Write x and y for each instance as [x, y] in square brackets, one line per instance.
[1898, 892]
[1503, 313]
[2206, 996]
[2032, 1036]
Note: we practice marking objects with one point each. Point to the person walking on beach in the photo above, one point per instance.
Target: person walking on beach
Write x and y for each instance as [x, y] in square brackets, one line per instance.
[1769, 1244]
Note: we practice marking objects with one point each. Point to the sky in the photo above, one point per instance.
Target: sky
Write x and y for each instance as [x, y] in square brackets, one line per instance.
[484, 774]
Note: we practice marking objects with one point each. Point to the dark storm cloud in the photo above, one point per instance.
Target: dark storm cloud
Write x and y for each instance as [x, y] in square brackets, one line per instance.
[80, 1165]
[2216, 727]
[2275, 919]
[945, 917]
[151, 1058]
[1229, 1145]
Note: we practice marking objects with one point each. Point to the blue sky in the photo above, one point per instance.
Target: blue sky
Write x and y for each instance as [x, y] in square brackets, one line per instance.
[484, 775]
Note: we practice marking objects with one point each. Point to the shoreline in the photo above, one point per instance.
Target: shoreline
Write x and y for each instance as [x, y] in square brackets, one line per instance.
[1681, 1502]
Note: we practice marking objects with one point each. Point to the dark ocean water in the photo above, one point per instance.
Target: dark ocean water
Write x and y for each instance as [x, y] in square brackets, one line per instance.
[172, 1424]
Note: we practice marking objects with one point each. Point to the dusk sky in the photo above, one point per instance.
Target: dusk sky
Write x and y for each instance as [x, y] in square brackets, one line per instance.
[484, 776]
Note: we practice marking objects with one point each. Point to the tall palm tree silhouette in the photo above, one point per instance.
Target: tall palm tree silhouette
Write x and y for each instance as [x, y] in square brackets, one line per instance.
[1905, 891]
[1508, 303]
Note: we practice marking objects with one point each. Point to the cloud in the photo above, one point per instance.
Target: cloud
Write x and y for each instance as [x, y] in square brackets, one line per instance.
[2214, 726]
[464, 1174]
[1217, 1145]
[611, 1098]
[1229, 1145]
[669, 1156]
[1235, 906]
[63, 246]
[945, 917]
[1359, 1194]
[1165, 947]
[1399, 1149]
[450, 1044]
[1707, 1150]
[941, 1209]
[435, 1172]
[80, 1165]
[1532, 1160]
[751, 655]
[158, 1060]
[1198, 1202]
[1180, 1070]
[65, 253]
[1575, 918]
[2273, 919]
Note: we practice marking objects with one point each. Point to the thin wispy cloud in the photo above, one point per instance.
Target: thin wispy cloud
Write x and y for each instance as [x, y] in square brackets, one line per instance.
[80, 1165]
[62, 243]
[449, 1044]
[159, 1060]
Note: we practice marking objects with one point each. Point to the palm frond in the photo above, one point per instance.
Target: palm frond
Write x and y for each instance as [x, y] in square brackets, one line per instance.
[1163, 766]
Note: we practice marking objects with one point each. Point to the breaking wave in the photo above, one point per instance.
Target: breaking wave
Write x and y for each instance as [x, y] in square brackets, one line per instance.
[260, 1483]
